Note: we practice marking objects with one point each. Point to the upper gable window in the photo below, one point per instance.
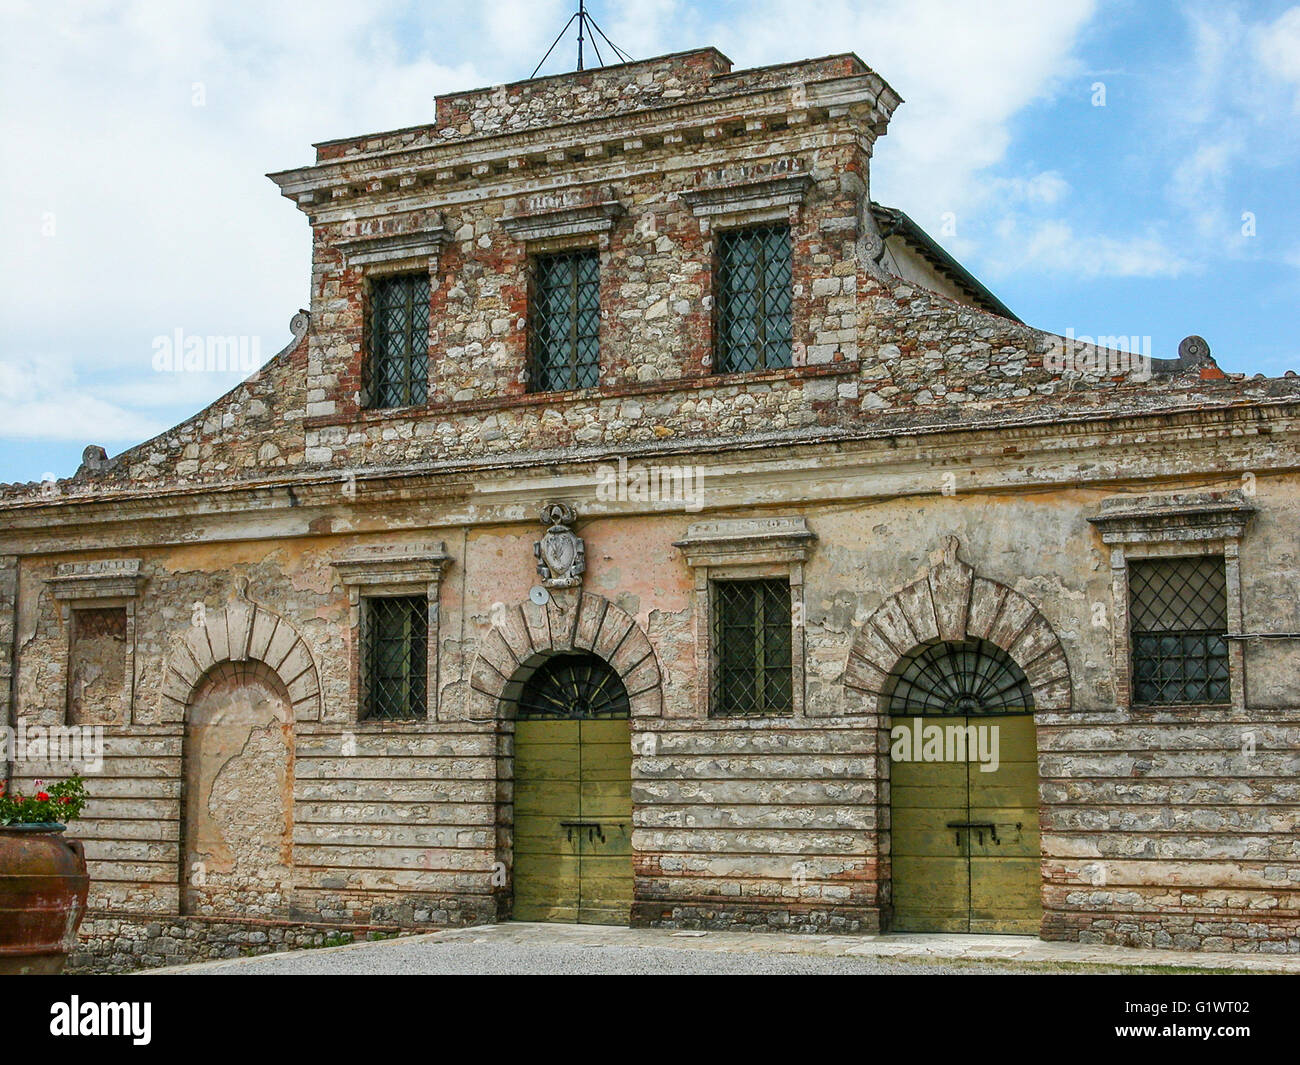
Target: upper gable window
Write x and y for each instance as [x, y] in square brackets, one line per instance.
[1179, 616]
[564, 321]
[397, 371]
[753, 286]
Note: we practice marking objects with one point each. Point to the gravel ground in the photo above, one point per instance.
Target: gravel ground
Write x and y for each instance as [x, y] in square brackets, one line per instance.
[504, 957]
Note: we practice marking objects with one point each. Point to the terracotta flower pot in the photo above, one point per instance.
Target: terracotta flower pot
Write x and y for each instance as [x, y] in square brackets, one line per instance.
[43, 887]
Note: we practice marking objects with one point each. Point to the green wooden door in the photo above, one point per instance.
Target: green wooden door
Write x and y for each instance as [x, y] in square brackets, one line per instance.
[1005, 865]
[573, 796]
[548, 789]
[930, 863]
[965, 847]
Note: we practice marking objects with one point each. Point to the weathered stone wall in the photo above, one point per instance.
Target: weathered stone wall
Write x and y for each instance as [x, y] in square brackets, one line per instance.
[113, 943]
[1158, 827]
[908, 419]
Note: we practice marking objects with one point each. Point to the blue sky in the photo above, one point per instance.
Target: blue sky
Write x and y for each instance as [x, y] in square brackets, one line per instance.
[1112, 167]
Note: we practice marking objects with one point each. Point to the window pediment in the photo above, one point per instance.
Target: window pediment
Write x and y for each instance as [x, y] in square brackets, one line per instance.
[752, 197]
[551, 222]
[1176, 517]
[381, 248]
[747, 541]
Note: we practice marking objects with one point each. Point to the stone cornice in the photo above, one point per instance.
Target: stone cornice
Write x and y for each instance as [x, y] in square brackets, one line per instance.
[351, 177]
[827, 467]
[781, 190]
[564, 221]
[389, 247]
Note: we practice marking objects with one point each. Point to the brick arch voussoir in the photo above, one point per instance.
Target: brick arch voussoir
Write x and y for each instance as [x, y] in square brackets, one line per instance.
[241, 632]
[951, 602]
[524, 635]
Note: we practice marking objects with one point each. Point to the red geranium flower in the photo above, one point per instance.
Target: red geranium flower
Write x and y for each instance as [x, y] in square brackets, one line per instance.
[65, 799]
[42, 796]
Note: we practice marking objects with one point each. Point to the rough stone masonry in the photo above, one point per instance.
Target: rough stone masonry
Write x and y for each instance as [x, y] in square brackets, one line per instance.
[925, 470]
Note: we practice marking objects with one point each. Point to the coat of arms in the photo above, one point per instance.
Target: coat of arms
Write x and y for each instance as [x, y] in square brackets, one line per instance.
[561, 556]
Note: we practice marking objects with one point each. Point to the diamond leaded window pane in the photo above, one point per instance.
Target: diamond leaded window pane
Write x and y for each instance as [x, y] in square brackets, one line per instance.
[397, 371]
[564, 322]
[395, 649]
[754, 298]
[1179, 623]
[752, 648]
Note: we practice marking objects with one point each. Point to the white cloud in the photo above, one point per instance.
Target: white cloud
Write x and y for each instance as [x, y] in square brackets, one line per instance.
[1047, 187]
[1054, 247]
[963, 70]
[42, 399]
[1278, 48]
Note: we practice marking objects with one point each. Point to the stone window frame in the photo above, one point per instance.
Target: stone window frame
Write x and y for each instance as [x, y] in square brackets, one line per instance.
[550, 225]
[371, 571]
[748, 549]
[747, 204]
[380, 272]
[1180, 525]
[536, 251]
[385, 254]
[98, 585]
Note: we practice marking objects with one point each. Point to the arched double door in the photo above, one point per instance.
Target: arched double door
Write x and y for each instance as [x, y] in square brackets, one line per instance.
[573, 794]
[963, 792]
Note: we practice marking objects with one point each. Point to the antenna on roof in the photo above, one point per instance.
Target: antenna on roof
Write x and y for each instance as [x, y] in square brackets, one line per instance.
[585, 24]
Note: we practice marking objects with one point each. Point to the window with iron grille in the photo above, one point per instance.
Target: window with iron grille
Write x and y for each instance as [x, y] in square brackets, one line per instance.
[753, 287]
[397, 370]
[564, 322]
[752, 648]
[1178, 610]
[395, 653]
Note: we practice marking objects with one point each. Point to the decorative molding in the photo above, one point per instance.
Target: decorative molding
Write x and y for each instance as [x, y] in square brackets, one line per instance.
[242, 631]
[392, 566]
[564, 222]
[747, 541]
[117, 578]
[746, 548]
[951, 603]
[561, 555]
[395, 247]
[1174, 518]
[749, 197]
[1174, 525]
[523, 636]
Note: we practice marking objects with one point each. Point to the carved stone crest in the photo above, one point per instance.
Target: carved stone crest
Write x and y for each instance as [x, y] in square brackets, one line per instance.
[561, 556]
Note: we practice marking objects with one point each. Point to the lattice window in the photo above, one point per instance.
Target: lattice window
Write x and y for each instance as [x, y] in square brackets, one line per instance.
[397, 371]
[959, 678]
[564, 322]
[395, 639]
[752, 648]
[1178, 610]
[753, 300]
[573, 686]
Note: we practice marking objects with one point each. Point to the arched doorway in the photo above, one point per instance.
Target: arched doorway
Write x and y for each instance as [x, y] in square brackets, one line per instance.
[238, 792]
[573, 794]
[963, 791]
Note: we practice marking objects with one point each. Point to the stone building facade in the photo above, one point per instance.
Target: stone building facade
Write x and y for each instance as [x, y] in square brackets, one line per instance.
[910, 475]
